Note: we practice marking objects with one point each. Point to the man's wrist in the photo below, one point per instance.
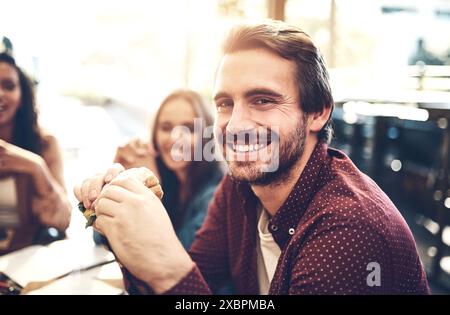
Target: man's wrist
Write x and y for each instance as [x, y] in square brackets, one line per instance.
[171, 274]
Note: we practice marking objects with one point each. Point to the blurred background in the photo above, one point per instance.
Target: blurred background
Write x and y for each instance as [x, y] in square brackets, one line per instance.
[102, 68]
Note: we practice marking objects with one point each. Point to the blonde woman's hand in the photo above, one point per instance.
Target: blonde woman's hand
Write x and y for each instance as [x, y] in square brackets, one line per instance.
[137, 153]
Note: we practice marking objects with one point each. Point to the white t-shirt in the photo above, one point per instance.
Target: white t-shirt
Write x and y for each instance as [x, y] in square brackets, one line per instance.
[268, 253]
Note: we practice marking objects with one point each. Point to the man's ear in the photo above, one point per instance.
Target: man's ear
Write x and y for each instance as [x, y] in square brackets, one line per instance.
[319, 119]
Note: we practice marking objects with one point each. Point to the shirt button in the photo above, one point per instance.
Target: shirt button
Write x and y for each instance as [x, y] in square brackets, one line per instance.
[291, 231]
[274, 227]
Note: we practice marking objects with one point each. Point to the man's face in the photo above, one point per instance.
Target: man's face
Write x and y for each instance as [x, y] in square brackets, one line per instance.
[256, 93]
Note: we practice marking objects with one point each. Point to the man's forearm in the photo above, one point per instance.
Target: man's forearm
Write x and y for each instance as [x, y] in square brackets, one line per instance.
[170, 273]
[192, 283]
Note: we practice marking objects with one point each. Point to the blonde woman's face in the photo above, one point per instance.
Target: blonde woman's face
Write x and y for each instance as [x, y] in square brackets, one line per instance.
[173, 144]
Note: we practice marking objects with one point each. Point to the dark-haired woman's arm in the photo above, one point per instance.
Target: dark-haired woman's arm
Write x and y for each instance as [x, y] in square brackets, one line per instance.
[50, 201]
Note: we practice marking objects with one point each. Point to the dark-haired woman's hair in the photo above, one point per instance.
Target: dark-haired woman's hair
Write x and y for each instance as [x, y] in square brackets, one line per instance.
[199, 172]
[26, 131]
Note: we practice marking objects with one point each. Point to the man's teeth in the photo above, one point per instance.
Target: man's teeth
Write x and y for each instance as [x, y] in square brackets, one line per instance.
[247, 148]
[2, 108]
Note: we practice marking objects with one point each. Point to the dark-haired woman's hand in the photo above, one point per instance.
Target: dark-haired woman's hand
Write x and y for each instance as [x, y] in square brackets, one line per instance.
[49, 200]
[137, 153]
[17, 160]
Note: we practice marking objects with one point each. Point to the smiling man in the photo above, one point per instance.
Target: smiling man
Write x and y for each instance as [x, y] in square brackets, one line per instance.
[313, 225]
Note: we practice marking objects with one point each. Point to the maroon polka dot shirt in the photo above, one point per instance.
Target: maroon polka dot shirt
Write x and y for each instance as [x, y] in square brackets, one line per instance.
[338, 232]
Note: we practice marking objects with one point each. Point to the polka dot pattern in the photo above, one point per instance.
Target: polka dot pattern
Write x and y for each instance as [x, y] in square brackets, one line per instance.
[334, 227]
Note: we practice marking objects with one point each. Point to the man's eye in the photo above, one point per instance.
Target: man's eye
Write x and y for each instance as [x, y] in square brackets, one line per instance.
[263, 101]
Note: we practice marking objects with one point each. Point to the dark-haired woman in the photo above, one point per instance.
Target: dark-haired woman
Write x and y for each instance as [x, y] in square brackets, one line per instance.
[32, 193]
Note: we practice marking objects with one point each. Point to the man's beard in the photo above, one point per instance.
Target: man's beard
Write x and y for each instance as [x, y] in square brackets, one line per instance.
[290, 151]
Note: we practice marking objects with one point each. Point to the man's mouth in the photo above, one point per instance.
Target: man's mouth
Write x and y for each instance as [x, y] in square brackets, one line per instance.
[248, 143]
[2, 108]
[247, 148]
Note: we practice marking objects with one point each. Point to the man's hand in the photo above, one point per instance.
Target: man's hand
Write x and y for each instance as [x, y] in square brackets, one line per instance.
[90, 189]
[139, 230]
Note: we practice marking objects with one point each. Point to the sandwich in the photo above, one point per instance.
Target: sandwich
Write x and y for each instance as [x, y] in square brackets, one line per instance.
[142, 174]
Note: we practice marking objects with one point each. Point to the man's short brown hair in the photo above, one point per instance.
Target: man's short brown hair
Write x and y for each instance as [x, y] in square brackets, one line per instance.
[292, 44]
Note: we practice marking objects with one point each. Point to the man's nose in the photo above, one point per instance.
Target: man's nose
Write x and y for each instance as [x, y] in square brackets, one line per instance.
[240, 119]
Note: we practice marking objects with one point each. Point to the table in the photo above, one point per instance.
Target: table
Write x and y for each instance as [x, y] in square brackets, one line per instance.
[41, 263]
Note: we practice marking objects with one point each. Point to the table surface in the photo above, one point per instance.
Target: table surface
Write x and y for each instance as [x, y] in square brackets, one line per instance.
[41, 263]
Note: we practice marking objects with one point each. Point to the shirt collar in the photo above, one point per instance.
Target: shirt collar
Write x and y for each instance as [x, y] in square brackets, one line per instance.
[284, 223]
